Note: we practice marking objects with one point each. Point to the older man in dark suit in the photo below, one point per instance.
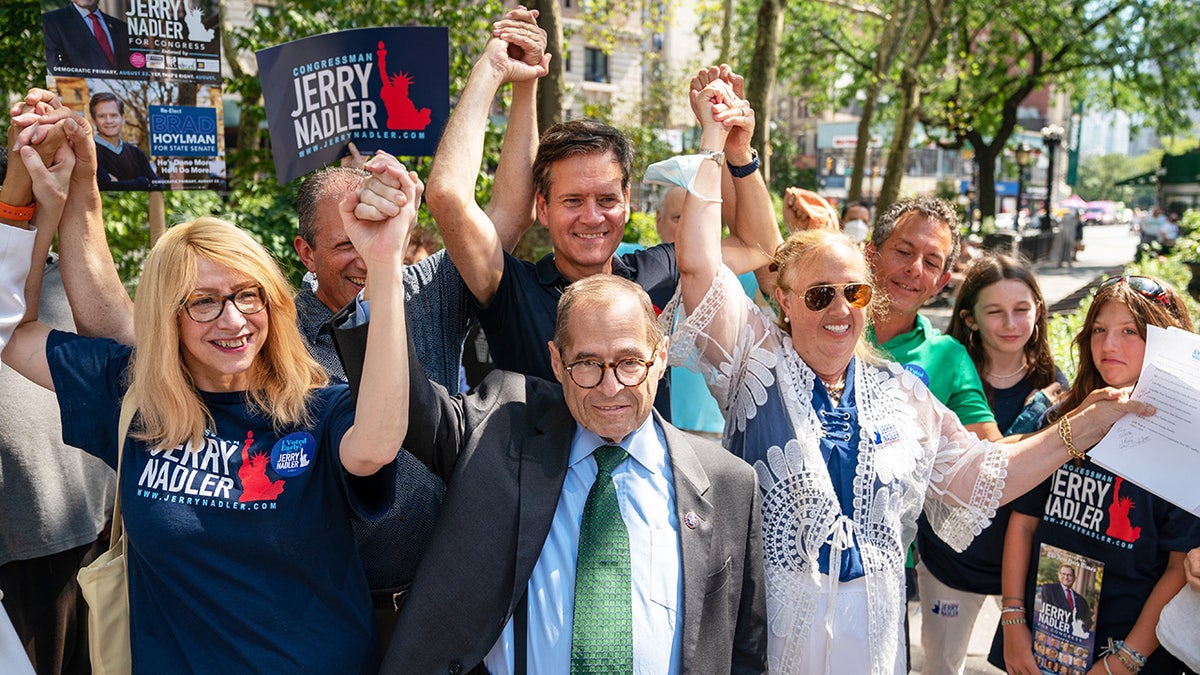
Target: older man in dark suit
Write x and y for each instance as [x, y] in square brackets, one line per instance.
[81, 36]
[579, 532]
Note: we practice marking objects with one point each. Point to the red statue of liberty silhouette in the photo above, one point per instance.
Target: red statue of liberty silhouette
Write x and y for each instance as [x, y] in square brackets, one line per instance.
[402, 114]
[1119, 526]
[256, 486]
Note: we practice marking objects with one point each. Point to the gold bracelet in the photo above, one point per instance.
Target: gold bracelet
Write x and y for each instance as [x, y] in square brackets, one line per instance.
[1064, 432]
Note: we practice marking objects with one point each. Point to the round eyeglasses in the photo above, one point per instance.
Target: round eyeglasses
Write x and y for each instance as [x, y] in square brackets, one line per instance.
[817, 298]
[629, 372]
[203, 308]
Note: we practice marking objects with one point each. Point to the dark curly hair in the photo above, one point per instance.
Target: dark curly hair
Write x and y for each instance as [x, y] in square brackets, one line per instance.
[930, 207]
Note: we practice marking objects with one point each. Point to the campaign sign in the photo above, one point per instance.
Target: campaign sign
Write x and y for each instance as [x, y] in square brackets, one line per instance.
[183, 131]
[134, 39]
[380, 88]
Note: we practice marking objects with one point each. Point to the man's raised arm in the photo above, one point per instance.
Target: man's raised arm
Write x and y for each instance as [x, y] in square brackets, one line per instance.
[472, 239]
[99, 303]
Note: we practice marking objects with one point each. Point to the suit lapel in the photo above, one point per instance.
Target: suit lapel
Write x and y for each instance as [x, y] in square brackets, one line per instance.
[543, 468]
[691, 507]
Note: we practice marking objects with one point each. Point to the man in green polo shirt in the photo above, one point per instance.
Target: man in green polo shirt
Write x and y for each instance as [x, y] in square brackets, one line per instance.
[912, 247]
[911, 250]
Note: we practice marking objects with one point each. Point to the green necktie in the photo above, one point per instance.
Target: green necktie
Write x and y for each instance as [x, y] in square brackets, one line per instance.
[602, 637]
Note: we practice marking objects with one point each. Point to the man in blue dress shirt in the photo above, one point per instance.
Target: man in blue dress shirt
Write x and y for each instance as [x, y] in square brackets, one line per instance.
[497, 585]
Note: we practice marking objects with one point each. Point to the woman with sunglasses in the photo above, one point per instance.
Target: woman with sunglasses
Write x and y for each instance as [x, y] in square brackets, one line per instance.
[1141, 539]
[240, 468]
[849, 448]
[1000, 317]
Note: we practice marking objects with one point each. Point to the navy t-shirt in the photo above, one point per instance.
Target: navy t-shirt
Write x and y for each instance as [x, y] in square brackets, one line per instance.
[241, 557]
[1087, 510]
[519, 320]
[977, 568]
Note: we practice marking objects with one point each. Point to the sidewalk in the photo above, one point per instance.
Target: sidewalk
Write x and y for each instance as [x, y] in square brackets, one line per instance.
[1106, 249]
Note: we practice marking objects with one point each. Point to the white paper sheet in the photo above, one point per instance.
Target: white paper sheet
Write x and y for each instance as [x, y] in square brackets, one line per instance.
[1162, 453]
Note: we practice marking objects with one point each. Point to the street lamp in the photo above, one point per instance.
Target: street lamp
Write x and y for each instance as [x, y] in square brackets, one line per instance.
[1023, 154]
[1052, 136]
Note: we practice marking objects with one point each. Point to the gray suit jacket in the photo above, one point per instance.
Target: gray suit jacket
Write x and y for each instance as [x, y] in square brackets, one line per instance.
[503, 451]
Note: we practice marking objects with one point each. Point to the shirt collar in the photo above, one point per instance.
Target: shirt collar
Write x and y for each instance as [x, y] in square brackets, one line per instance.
[922, 330]
[646, 444]
[115, 148]
[548, 274]
[312, 314]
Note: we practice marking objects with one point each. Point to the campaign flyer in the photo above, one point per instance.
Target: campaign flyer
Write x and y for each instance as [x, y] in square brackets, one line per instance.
[1064, 610]
[147, 75]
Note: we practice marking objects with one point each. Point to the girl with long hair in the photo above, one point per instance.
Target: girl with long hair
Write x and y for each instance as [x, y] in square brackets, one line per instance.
[1140, 539]
[1000, 317]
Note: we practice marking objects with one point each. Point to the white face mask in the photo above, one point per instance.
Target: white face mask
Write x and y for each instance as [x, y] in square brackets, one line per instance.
[856, 229]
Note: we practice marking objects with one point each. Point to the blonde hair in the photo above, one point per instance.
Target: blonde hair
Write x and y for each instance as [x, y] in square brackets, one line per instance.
[160, 385]
[806, 244]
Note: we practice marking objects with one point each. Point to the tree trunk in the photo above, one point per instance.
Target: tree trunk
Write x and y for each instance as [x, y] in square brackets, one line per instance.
[727, 10]
[760, 82]
[985, 188]
[910, 102]
[855, 191]
[550, 87]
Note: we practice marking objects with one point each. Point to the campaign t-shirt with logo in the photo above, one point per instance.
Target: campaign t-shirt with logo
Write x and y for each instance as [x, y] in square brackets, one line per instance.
[241, 557]
[1087, 510]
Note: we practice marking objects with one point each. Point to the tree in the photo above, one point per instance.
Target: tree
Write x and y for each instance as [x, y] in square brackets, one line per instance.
[1139, 55]
[22, 54]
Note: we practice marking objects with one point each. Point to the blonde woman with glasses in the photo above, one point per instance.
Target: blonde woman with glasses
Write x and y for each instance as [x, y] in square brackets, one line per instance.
[241, 468]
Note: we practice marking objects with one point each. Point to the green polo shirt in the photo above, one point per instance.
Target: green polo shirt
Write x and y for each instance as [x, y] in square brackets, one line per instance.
[942, 363]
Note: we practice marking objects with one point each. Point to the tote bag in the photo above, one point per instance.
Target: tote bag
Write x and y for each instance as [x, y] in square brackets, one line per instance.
[105, 588]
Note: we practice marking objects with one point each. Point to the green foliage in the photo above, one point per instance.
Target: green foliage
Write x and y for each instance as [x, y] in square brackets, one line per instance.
[22, 53]
[1099, 174]
[641, 230]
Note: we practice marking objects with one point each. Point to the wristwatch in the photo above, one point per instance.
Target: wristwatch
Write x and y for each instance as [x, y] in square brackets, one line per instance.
[717, 156]
[745, 169]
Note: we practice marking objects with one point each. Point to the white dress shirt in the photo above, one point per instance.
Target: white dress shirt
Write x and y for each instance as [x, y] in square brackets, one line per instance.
[646, 494]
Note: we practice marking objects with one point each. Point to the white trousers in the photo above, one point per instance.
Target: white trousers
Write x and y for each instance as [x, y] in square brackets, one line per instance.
[947, 618]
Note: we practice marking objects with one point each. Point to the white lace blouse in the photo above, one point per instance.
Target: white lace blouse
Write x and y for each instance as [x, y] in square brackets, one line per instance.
[913, 454]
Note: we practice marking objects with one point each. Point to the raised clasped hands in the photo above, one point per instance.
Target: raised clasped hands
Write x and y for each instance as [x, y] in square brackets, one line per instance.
[518, 46]
[380, 215]
[736, 114]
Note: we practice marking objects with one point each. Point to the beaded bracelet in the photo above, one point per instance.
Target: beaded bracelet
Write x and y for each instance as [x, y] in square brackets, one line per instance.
[1004, 610]
[1136, 659]
[1011, 622]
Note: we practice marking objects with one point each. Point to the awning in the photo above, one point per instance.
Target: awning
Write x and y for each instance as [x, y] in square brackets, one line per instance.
[1148, 178]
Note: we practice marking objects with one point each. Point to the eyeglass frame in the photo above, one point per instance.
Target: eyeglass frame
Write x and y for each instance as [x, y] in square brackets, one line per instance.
[1161, 296]
[230, 298]
[613, 365]
[842, 287]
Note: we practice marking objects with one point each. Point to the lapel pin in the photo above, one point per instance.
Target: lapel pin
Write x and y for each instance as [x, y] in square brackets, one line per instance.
[691, 520]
